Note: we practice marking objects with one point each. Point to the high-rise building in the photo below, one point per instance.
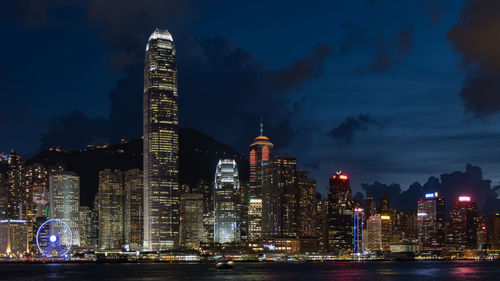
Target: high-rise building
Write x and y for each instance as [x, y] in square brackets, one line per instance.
[307, 207]
[133, 206]
[254, 218]
[430, 219]
[16, 190]
[13, 237]
[192, 232]
[405, 227]
[284, 209]
[322, 223]
[64, 201]
[4, 197]
[261, 155]
[481, 231]
[206, 189]
[93, 231]
[84, 226]
[161, 144]
[244, 196]
[340, 214]
[379, 233]
[111, 210]
[120, 209]
[463, 218]
[358, 225]
[227, 202]
[494, 231]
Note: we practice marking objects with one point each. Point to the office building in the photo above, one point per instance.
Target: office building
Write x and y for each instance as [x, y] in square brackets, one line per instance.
[379, 233]
[358, 225]
[340, 215]
[307, 207]
[13, 237]
[64, 201]
[192, 232]
[463, 218]
[494, 231]
[430, 219]
[227, 202]
[261, 155]
[161, 144]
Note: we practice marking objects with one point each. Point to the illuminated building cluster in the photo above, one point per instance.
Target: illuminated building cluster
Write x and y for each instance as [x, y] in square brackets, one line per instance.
[277, 213]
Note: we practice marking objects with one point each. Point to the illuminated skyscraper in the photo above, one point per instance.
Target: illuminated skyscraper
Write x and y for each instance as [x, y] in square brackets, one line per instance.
[284, 209]
[358, 224]
[13, 237]
[227, 202]
[340, 214]
[494, 231]
[430, 220]
[84, 226]
[191, 228]
[111, 210]
[120, 209]
[261, 154]
[134, 219]
[161, 144]
[16, 191]
[307, 207]
[463, 217]
[64, 200]
[379, 233]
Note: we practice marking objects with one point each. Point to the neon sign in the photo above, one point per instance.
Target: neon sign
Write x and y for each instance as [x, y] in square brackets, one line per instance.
[464, 198]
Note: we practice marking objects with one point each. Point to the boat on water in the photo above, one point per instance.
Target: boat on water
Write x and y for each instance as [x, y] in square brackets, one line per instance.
[224, 263]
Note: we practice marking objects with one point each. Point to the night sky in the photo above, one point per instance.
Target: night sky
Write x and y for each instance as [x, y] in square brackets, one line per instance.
[388, 91]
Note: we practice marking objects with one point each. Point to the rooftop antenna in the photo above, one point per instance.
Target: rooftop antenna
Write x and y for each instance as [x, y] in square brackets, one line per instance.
[261, 127]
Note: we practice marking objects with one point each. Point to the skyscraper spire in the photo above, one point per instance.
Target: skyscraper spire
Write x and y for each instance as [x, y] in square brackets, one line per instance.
[261, 126]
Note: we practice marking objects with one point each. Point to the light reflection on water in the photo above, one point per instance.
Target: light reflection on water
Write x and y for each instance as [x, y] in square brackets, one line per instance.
[342, 271]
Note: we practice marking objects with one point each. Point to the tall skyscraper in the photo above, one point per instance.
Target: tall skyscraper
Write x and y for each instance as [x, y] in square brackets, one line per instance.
[284, 208]
[16, 190]
[64, 200]
[307, 207]
[206, 189]
[227, 202]
[111, 210]
[379, 233]
[84, 226]
[261, 155]
[13, 237]
[161, 144]
[463, 217]
[494, 231]
[358, 225]
[430, 219]
[120, 209]
[191, 216]
[340, 214]
[133, 206]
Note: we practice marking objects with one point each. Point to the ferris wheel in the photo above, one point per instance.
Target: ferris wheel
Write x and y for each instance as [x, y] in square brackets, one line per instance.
[54, 238]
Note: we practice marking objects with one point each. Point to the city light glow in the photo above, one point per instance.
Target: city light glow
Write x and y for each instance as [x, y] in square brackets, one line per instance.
[385, 217]
[464, 198]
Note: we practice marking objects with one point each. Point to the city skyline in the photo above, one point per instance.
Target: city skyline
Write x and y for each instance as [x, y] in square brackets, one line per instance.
[348, 60]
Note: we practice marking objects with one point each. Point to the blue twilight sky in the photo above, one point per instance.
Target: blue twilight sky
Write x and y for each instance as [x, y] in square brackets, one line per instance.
[390, 91]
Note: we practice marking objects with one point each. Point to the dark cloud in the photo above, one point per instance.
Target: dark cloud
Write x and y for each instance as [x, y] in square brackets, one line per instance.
[75, 130]
[348, 128]
[450, 186]
[434, 9]
[389, 47]
[303, 69]
[283, 134]
[217, 78]
[475, 36]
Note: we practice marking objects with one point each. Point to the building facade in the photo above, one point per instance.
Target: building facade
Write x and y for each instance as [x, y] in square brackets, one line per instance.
[340, 215]
[227, 202]
[13, 237]
[192, 232]
[261, 155]
[64, 201]
[161, 144]
[307, 207]
[463, 218]
[431, 213]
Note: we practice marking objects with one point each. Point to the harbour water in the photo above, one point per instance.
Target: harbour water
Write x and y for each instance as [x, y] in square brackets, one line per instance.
[407, 271]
